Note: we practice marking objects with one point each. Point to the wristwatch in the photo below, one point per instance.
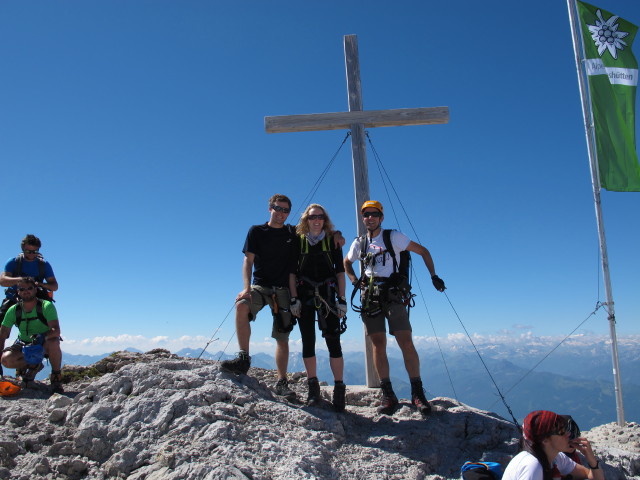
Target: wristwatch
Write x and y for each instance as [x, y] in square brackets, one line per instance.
[596, 467]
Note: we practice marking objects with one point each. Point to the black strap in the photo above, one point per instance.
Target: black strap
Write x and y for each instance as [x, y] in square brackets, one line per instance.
[39, 312]
[386, 238]
[41, 267]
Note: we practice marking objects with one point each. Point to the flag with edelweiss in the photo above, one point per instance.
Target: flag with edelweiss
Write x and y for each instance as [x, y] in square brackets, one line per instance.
[612, 71]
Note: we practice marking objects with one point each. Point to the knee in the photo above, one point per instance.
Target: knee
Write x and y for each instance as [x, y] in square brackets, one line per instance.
[378, 339]
[12, 359]
[52, 344]
[404, 340]
[242, 308]
[333, 345]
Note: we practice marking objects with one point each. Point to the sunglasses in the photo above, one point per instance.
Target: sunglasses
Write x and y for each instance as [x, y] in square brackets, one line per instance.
[22, 289]
[319, 216]
[280, 209]
[371, 214]
[32, 252]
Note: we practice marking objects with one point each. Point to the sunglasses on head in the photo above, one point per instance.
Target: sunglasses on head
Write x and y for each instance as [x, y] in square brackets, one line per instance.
[280, 209]
[319, 216]
[371, 214]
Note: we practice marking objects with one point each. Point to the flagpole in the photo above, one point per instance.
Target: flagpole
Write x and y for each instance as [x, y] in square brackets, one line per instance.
[595, 182]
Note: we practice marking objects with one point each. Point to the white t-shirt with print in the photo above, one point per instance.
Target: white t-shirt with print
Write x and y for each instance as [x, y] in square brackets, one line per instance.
[383, 264]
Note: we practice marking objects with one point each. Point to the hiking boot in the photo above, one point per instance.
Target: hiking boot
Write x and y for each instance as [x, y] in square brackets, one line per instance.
[28, 373]
[313, 398]
[339, 393]
[239, 365]
[283, 390]
[56, 382]
[389, 401]
[419, 399]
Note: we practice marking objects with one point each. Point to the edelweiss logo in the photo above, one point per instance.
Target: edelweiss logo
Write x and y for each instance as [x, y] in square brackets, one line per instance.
[606, 36]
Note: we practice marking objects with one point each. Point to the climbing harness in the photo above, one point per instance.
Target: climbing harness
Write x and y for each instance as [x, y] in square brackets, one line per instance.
[319, 293]
[378, 290]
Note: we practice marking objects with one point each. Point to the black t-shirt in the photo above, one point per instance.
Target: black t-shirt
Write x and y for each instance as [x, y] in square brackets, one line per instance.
[275, 252]
[315, 264]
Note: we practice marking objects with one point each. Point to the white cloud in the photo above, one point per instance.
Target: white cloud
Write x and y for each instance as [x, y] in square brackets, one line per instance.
[108, 344]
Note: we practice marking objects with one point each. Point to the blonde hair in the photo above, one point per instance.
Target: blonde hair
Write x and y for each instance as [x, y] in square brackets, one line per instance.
[303, 227]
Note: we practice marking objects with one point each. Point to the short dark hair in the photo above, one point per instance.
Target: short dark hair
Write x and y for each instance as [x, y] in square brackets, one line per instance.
[32, 240]
[278, 197]
[29, 280]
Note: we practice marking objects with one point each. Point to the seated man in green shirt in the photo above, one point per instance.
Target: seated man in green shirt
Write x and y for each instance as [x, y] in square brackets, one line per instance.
[37, 322]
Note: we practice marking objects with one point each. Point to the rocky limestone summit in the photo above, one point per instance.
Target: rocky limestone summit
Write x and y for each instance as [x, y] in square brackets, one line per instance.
[157, 416]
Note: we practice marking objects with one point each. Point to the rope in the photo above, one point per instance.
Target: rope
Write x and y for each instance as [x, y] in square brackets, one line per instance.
[381, 167]
[314, 189]
[446, 367]
[504, 401]
[377, 157]
[319, 180]
[384, 175]
[212, 339]
[598, 305]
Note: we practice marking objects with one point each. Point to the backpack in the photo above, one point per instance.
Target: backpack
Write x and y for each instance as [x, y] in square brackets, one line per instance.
[40, 291]
[398, 280]
[18, 270]
[402, 270]
[481, 471]
[39, 312]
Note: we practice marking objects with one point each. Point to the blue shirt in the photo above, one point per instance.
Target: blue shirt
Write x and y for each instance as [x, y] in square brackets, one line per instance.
[29, 269]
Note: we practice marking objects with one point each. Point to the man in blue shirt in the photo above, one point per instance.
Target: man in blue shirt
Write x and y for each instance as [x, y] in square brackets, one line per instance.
[29, 263]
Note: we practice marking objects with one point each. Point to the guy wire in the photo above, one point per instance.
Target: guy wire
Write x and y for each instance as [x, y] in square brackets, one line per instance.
[515, 422]
[377, 157]
[319, 180]
[213, 339]
[598, 305]
[385, 178]
[315, 187]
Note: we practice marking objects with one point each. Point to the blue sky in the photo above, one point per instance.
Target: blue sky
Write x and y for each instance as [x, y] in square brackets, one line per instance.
[132, 142]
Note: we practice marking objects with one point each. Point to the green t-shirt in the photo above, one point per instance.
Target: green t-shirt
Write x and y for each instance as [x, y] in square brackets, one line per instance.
[30, 323]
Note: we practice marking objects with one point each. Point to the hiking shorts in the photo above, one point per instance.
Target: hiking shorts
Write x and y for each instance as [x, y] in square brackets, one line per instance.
[263, 296]
[392, 310]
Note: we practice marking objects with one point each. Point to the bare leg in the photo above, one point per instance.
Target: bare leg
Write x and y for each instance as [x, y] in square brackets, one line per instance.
[380, 360]
[282, 358]
[243, 326]
[52, 347]
[409, 353]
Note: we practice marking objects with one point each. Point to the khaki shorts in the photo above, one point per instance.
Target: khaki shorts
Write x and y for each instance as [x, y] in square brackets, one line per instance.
[394, 311]
[263, 296]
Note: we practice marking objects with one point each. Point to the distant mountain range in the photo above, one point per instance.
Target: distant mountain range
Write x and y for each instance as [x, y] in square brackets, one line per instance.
[576, 379]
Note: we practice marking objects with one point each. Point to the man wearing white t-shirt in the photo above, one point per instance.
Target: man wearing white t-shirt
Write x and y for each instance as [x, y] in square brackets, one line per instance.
[384, 301]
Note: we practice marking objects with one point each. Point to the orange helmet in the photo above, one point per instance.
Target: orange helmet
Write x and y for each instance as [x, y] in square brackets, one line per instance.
[8, 389]
[372, 203]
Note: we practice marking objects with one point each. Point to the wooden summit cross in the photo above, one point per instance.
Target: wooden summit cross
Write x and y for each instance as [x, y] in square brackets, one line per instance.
[356, 119]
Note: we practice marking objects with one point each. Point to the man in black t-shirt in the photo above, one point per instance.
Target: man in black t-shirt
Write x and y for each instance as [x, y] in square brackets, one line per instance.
[269, 251]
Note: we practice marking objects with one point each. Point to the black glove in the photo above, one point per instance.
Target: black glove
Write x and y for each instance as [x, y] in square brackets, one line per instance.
[438, 283]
